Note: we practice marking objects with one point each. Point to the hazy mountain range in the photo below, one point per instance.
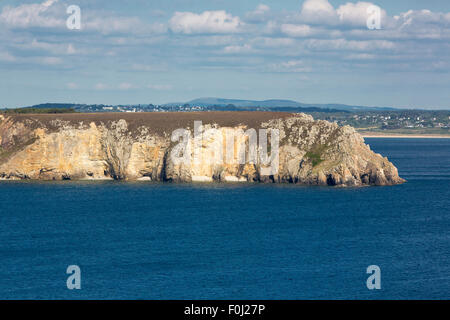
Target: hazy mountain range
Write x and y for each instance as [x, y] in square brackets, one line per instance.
[278, 103]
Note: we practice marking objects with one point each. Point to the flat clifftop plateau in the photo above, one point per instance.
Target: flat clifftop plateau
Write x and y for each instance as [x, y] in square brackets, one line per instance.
[155, 122]
[196, 146]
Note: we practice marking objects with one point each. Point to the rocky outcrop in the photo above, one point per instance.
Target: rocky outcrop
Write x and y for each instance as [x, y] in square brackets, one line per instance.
[139, 147]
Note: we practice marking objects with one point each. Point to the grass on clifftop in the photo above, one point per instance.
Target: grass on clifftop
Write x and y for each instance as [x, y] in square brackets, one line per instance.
[37, 110]
[315, 154]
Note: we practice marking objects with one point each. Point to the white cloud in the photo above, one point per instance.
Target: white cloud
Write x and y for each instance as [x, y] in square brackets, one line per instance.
[51, 61]
[72, 85]
[318, 12]
[53, 48]
[159, 87]
[238, 49]
[261, 13]
[100, 86]
[413, 20]
[217, 39]
[39, 60]
[355, 14]
[271, 27]
[293, 30]
[213, 40]
[297, 66]
[268, 42]
[262, 8]
[125, 86]
[31, 15]
[360, 56]
[321, 12]
[206, 22]
[115, 24]
[48, 3]
[49, 15]
[349, 45]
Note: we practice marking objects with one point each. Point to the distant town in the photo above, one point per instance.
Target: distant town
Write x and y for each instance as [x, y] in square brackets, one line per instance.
[399, 121]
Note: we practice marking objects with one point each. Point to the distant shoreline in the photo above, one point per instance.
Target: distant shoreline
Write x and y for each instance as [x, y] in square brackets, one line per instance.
[405, 136]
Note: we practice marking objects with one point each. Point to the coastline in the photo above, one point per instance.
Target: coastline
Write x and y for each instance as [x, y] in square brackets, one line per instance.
[404, 136]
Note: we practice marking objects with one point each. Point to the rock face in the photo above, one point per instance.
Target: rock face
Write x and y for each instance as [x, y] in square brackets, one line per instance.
[139, 147]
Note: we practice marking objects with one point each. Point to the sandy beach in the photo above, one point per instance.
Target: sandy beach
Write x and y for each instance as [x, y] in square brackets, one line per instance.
[406, 136]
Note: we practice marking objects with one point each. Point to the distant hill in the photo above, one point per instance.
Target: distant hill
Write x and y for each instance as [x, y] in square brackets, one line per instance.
[287, 106]
[274, 103]
[53, 106]
[213, 104]
[43, 108]
[243, 103]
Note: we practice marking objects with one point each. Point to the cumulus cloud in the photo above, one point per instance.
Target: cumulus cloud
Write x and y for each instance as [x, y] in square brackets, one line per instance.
[31, 15]
[257, 38]
[51, 14]
[355, 14]
[413, 20]
[206, 22]
[424, 16]
[318, 12]
[261, 13]
[321, 12]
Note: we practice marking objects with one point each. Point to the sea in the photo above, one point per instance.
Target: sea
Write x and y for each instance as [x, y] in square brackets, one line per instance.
[148, 240]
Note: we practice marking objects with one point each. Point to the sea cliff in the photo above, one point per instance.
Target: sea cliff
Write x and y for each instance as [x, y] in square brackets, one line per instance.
[126, 146]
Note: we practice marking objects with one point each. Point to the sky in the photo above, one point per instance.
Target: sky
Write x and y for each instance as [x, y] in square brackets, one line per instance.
[148, 51]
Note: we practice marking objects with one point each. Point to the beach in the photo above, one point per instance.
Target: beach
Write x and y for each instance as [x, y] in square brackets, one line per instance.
[406, 136]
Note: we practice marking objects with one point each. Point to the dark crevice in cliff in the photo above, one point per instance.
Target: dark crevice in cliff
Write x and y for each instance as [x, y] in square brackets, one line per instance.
[163, 174]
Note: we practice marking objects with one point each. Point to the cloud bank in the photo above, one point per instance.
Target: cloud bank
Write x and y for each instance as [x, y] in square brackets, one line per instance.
[315, 38]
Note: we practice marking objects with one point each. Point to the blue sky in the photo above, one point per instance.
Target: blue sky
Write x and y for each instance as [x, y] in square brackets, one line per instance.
[140, 51]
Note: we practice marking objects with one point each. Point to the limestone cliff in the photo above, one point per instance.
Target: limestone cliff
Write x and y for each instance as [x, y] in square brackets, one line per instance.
[138, 147]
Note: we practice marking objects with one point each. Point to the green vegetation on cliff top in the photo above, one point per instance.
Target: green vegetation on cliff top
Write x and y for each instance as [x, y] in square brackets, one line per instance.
[37, 110]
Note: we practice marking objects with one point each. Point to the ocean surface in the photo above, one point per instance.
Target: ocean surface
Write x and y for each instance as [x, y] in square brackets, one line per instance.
[232, 241]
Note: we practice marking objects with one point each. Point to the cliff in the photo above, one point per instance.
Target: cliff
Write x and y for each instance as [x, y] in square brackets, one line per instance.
[139, 146]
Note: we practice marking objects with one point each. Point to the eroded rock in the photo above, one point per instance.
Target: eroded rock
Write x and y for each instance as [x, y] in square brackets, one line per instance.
[310, 152]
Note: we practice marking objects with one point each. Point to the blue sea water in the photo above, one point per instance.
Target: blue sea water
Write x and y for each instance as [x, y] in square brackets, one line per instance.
[222, 241]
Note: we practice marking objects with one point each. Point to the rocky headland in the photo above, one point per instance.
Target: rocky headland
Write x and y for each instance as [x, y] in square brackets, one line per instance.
[137, 146]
